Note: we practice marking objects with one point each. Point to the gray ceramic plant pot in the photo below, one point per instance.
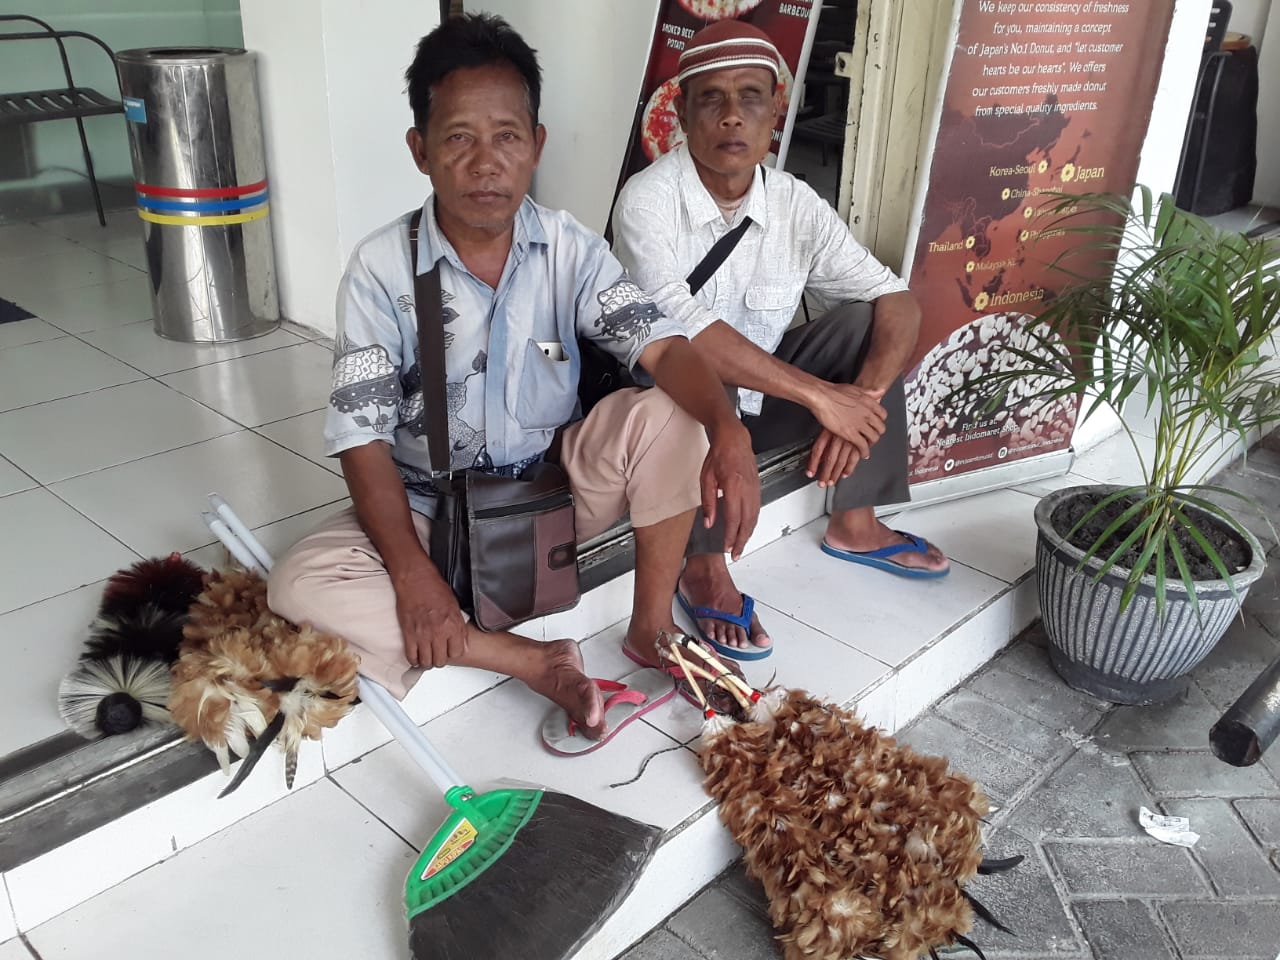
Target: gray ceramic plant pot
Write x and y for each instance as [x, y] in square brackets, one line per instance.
[1126, 656]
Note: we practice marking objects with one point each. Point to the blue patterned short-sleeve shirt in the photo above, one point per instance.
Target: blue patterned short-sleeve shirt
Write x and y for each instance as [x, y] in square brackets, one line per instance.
[504, 396]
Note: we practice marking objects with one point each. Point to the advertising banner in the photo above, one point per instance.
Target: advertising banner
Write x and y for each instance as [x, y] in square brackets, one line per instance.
[656, 128]
[1042, 96]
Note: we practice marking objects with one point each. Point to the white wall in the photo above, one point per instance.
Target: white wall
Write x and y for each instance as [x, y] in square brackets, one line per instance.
[1266, 188]
[335, 113]
[1250, 17]
[593, 55]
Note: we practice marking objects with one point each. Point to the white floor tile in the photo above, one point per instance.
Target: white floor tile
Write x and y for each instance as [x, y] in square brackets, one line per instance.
[1115, 460]
[313, 876]
[884, 616]
[138, 345]
[13, 480]
[495, 737]
[80, 309]
[19, 241]
[84, 227]
[18, 333]
[154, 504]
[50, 549]
[262, 388]
[436, 693]
[54, 369]
[1042, 488]
[128, 250]
[304, 435]
[953, 657]
[39, 645]
[111, 426]
[10, 949]
[25, 280]
[992, 532]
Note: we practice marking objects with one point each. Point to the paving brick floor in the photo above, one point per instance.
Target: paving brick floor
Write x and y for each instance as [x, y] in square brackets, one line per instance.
[1068, 774]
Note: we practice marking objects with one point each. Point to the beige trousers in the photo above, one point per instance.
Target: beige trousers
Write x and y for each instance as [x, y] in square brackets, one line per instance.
[636, 451]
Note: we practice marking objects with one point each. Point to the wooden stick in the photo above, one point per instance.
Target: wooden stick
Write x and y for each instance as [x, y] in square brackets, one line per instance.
[725, 673]
[693, 670]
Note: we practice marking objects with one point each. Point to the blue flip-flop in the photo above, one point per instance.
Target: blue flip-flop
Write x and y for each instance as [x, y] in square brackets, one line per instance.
[880, 558]
[742, 620]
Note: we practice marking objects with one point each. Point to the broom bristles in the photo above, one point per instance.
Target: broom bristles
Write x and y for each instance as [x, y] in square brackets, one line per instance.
[81, 694]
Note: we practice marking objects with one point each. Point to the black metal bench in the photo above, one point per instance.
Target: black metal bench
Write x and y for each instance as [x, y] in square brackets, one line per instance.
[69, 103]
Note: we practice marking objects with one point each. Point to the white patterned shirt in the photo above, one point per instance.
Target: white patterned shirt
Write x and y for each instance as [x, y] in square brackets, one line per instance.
[505, 397]
[665, 221]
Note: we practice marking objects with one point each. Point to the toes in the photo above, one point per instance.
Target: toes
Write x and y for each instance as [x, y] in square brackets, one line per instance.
[759, 637]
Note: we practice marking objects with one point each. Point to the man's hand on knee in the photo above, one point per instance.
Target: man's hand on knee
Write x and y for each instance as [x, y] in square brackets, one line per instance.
[434, 629]
[851, 414]
[831, 459]
[730, 469]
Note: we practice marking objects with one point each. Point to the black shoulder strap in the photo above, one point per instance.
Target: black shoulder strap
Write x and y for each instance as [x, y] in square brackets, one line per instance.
[426, 301]
[719, 253]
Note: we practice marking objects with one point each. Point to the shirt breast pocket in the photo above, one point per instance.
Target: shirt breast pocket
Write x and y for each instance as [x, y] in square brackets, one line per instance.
[767, 299]
[547, 393]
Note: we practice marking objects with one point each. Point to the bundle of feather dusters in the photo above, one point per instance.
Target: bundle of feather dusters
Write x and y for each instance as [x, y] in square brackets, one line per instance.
[863, 846]
[204, 651]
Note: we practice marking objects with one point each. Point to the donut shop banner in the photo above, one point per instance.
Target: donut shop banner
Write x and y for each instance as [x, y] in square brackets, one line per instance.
[656, 129]
[1041, 96]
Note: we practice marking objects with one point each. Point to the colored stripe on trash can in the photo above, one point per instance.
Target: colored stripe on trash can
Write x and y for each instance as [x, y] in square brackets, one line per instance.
[200, 193]
[215, 220]
[202, 206]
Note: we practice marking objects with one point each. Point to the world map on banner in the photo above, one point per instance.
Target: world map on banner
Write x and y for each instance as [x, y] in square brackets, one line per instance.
[1043, 98]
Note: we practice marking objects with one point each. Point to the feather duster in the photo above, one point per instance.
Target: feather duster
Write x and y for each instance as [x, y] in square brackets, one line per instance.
[167, 583]
[862, 846]
[123, 678]
[114, 694]
[231, 599]
[219, 695]
[314, 675]
[247, 678]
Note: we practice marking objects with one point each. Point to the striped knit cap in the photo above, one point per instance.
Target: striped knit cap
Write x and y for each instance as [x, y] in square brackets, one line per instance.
[726, 44]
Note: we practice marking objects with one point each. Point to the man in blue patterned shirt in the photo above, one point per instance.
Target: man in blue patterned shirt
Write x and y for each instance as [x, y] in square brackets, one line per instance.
[521, 284]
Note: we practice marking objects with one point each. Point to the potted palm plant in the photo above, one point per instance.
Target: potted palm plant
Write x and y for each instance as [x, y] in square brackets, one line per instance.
[1137, 583]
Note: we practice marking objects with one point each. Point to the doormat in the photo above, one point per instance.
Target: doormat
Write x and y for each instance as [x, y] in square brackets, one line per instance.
[10, 311]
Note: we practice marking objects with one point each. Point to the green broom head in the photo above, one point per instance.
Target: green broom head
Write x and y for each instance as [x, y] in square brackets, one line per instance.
[478, 832]
[522, 873]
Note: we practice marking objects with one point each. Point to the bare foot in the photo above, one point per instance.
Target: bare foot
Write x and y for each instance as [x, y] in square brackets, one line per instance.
[563, 682]
[875, 536]
[705, 582]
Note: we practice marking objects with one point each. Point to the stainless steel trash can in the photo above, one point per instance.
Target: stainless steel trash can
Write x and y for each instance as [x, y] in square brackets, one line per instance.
[195, 132]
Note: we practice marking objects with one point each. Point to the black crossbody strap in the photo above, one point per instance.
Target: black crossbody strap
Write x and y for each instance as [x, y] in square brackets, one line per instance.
[719, 253]
[426, 301]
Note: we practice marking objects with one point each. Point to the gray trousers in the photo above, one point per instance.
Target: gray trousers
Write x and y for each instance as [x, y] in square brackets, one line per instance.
[832, 348]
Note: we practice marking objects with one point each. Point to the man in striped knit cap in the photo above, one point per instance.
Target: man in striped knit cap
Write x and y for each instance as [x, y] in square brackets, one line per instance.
[837, 380]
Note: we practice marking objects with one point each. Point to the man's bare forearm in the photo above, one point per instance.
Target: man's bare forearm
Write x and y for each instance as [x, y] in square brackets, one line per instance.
[689, 378]
[740, 363]
[894, 333]
[382, 507]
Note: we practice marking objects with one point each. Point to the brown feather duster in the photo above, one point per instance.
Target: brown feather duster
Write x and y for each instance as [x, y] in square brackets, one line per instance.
[862, 846]
[247, 677]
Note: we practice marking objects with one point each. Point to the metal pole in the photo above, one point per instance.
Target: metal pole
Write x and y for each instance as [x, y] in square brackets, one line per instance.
[1250, 725]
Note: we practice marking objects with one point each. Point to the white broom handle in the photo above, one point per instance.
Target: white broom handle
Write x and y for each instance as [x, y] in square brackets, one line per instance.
[232, 543]
[238, 527]
[388, 709]
[228, 528]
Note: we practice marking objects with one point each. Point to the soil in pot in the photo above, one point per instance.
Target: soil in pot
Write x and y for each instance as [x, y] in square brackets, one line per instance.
[1232, 548]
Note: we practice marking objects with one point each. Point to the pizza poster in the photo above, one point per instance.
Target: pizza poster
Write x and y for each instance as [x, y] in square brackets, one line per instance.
[656, 128]
[1042, 96]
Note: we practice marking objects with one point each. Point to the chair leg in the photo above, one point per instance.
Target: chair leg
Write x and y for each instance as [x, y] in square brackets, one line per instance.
[1220, 62]
[88, 164]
